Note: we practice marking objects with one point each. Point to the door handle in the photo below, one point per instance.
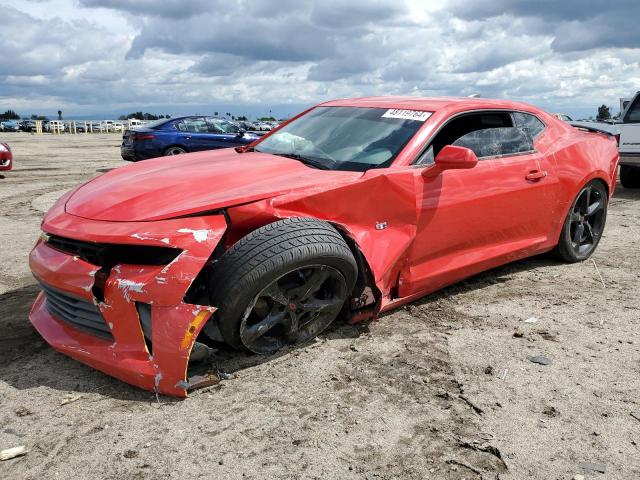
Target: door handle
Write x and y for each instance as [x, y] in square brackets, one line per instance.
[536, 175]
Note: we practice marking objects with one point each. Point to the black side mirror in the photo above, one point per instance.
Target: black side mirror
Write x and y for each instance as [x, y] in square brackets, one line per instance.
[241, 132]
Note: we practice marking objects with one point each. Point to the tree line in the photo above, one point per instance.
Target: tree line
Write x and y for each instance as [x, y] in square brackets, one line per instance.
[143, 116]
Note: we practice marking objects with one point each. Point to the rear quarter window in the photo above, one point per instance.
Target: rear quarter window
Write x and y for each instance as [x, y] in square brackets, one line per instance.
[530, 123]
[633, 115]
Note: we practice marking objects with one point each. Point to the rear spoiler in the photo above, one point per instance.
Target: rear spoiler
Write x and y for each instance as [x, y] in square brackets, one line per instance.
[596, 127]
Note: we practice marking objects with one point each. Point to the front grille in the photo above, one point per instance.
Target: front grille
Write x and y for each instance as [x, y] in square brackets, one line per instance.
[77, 312]
[110, 254]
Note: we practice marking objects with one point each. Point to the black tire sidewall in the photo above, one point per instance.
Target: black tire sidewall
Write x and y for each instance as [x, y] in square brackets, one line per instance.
[630, 176]
[166, 152]
[565, 246]
[234, 294]
[231, 317]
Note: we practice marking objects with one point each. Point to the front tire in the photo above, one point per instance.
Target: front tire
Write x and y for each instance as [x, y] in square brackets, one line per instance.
[630, 176]
[282, 284]
[583, 227]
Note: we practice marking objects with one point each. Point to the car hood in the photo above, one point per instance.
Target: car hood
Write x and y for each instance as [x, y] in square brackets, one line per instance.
[170, 187]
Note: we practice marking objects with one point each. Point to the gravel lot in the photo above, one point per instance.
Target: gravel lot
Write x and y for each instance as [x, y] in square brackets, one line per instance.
[441, 389]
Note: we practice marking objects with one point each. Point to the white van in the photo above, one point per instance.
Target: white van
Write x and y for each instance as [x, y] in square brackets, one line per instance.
[630, 144]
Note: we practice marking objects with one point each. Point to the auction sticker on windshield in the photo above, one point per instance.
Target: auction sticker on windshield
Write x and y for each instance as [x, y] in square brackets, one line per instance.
[406, 114]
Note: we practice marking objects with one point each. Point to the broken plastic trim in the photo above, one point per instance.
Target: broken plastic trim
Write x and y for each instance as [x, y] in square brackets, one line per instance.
[365, 298]
[198, 291]
[110, 254]
[144, 315]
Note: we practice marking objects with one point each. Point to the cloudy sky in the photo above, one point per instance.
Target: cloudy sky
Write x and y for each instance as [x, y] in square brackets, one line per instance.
[102, 57]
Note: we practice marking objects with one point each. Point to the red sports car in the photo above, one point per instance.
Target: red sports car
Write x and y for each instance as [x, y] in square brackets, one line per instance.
[349, 209]
[6, 157]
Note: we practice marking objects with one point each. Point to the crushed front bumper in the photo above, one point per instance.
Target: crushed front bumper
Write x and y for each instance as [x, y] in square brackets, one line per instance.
[159, 365]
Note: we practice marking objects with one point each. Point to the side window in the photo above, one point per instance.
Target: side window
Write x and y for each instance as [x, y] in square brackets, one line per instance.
[530, 123]
[192, 125]
[633, 114]
[496, 142]
[461, 126]
[221, 126]
[426, 158]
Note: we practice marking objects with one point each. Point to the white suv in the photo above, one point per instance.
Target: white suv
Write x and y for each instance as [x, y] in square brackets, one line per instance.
[630, 144]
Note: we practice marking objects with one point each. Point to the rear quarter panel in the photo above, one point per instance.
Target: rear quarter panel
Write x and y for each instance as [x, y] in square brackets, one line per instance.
[581, 157]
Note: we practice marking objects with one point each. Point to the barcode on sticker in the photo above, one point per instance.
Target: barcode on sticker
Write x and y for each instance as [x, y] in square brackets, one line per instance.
[406, 114]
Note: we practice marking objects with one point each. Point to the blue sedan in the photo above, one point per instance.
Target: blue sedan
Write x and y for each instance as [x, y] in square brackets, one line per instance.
[180, 135]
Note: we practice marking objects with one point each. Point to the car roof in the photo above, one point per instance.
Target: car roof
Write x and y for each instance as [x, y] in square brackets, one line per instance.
[429, 104]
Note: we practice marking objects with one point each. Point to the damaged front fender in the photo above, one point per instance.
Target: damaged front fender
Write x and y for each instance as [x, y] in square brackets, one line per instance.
[378, 213]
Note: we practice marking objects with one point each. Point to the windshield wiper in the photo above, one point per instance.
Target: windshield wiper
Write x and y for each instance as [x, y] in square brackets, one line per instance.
[306, 160]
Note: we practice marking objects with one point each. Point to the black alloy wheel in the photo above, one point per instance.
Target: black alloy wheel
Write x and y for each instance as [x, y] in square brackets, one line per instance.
[584, 224]
[293, 309]
[587, 220]
[281, 284]
[174, 151]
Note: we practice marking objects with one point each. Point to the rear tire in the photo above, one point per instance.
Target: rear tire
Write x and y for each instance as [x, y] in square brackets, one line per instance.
[174, 151]
[630, 176]
[584, 224]
[282, 284]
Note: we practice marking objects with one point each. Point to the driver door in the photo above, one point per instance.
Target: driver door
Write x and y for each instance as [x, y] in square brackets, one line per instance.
[472, 220]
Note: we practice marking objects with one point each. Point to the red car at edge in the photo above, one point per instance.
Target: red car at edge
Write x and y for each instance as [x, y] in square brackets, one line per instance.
[351, 208]
[6, 157]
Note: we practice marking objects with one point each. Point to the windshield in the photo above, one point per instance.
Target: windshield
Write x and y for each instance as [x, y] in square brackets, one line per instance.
[345, 138]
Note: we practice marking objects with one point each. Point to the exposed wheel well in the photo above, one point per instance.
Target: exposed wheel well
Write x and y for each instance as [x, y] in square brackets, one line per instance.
[365, 275]
[360, 297]
[601, 181]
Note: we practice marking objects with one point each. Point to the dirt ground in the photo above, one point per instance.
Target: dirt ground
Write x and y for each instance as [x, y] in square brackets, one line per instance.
[441, 389]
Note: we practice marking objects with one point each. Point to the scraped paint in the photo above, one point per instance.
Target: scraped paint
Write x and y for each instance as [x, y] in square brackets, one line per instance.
[198, 235]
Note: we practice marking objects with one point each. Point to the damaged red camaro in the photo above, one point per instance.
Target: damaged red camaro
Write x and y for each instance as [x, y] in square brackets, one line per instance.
[352, 208]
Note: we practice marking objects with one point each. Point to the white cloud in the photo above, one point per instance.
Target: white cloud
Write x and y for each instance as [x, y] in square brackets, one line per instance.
[90, 56]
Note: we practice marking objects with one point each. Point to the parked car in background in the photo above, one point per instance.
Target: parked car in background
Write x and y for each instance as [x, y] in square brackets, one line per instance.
[174, 136]
[6, 157]
[9, 126]
[264, 127]
[563, 116]
[27, 125]
[246, 126]
[250, 127]
[81, 127]
[355, 207]
[112, 126]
